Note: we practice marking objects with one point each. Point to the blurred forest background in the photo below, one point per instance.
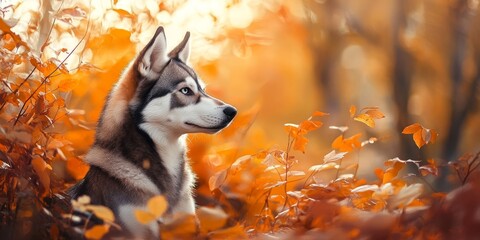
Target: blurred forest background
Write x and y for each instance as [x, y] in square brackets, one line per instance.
[277, 61]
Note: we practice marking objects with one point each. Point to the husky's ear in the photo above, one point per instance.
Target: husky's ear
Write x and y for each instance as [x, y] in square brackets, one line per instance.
[182, 51]
[153, 57]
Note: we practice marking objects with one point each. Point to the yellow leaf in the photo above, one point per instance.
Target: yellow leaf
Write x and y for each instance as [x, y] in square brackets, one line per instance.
[211, 218]
[97, 232]
[144, 217]
[352, 110]
[365, 118]
[375, 113]
[102, 212]
[157, 205]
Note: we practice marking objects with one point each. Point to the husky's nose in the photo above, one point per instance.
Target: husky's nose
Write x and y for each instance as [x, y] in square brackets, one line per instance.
[230, 112]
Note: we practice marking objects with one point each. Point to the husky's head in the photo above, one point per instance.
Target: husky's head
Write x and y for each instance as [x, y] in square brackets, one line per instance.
[170, 97]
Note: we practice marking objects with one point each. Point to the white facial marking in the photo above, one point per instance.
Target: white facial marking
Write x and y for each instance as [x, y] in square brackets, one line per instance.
[191, 84]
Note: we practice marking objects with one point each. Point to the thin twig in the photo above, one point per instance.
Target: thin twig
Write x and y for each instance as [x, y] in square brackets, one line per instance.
[49, 75]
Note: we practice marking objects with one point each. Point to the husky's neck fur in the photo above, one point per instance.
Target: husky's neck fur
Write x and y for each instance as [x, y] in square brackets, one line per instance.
[141, 157]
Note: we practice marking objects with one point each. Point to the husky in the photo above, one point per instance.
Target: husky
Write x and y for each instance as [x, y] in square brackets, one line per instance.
[140, 142]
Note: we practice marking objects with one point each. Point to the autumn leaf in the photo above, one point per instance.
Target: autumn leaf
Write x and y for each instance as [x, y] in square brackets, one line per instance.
[211, 218]
[348, 144]
[421, 135]
[368, 116]
[412, 128]
[217, 180]
[144, 217]
[430, 168]
[97, 231]
[322, 167]
[333, 156]
[157, 205]
[300, 143]
[365, 118]
[101, 212]
[43, 170]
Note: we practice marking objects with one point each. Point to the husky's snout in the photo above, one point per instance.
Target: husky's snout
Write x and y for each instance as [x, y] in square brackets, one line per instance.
[230, 112]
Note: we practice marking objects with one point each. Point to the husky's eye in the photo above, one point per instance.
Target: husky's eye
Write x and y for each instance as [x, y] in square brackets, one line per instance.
[186, 91]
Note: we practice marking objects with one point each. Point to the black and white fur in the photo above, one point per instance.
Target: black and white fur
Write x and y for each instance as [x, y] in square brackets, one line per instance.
[139, 148]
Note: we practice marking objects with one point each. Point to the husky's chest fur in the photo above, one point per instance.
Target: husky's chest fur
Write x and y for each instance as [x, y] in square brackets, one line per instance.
[139, 148]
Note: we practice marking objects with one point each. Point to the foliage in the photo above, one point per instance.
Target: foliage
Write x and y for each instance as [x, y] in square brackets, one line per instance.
[57, 67]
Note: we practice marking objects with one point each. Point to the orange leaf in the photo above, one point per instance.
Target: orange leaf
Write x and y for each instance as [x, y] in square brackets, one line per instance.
[375, 113]
[365, 118]
[157, 205]
[68, 85]
[102, 212]
[411, 129]
[97, 232]
[211, 218]
[144, 217]
[392, 171]
[43, 170]
[319, 114]
[352, 110]
[430, 168]
[217, 180]
[300, 143]
[417, 137]
[77, 168]
[308, 125]
[338, 142]
[292, 129]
